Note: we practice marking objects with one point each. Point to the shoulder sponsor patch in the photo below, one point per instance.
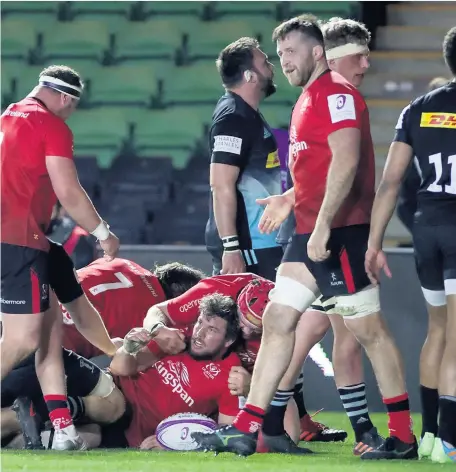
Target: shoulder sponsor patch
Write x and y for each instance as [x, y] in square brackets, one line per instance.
[223, 143]
[341, 107]
[438, 120]
[272, 160]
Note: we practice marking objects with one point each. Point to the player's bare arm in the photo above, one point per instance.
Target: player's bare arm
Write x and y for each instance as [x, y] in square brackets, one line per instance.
[223, 179]
[345, 148]
[74, 199]
[157, 314]
[89, 323]
[277, 210]
[398, 160]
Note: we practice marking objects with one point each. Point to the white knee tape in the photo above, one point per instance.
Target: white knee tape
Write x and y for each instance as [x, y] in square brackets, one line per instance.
[104, 387]
[291, 293]
[434, 297]
[364, 303]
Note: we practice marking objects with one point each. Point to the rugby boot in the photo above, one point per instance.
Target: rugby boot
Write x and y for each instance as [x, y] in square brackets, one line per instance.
[369, 440]
[283, 444]
[312, 431]
[67, 439]
[443, 452]
[227, 439]
[29, 421]
[392, 448]
[426, 445]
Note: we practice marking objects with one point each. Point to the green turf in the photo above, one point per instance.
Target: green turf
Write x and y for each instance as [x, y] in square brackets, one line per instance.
[328, 458]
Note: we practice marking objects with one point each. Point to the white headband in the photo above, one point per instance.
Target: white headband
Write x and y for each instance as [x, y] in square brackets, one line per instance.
[345, 50]
[61, 86]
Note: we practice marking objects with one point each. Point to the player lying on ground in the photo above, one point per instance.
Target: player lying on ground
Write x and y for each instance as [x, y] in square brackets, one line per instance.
[333, 174]
[183, 311]
[425, 131]
[193, 381]
[122, 291]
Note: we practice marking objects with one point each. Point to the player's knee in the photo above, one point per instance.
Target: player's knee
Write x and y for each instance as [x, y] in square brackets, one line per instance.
[290, 293]
[276, 321]
[347, 346]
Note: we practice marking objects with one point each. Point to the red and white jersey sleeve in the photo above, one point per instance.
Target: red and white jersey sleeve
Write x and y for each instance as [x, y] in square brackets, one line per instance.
[184, 310]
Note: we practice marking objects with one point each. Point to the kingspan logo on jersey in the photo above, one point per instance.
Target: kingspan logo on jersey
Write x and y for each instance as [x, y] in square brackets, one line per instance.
[295, 145]
[176, 375]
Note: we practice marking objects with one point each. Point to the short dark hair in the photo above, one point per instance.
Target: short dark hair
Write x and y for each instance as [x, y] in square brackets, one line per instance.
[176, 278]
[449, 49]
[305, 24]
[235, 59]
[65, 73]
[223, 307]
[436, 83]
[340, 31]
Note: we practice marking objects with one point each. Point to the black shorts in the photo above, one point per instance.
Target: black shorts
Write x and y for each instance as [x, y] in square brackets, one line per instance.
[62, 274]
[262, 262]
[82, 376]
[25, 280]
[435, 255]
[343, 272]
[113, 435]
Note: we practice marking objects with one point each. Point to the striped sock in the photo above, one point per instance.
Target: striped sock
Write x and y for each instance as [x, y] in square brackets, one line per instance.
[273, 421]
[355, 404]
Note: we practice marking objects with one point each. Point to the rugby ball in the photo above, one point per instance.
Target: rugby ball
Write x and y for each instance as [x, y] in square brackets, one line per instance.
[175, 432]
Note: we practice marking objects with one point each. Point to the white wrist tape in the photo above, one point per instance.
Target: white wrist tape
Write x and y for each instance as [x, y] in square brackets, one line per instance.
[101, 232]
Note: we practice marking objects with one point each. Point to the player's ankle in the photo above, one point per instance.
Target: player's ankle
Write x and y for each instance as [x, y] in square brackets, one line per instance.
[250, 419]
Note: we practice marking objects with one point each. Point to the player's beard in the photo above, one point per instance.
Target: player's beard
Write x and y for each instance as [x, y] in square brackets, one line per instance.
[307, 74]
[205, 356]
[268, 87]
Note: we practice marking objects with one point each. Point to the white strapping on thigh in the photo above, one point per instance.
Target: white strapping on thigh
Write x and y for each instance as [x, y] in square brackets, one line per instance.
[104, 387]
[450, 286]
[363, 303]
[289, 292]
[434, 297]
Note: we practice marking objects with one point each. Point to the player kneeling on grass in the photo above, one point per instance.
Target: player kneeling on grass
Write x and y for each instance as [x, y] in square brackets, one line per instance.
[193, 381]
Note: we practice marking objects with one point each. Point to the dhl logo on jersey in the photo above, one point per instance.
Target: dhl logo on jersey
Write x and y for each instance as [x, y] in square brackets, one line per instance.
[438, 120]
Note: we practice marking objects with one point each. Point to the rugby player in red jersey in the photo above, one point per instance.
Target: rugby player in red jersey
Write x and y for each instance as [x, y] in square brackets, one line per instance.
[347, 51]
[36, 166]
[333, 174]
[193, 381]
[123, 291]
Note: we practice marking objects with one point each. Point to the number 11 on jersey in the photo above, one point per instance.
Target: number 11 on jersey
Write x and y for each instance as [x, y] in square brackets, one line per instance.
[437, 161]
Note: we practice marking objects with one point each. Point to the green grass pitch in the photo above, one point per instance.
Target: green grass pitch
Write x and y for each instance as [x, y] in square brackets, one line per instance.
[336, 457]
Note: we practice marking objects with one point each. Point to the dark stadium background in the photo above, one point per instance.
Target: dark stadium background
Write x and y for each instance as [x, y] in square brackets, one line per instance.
[151, 84]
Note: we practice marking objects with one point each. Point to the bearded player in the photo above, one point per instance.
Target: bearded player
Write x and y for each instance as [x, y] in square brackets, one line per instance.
[347, 51]
[333, 176]
[193, 381]
[122, 291]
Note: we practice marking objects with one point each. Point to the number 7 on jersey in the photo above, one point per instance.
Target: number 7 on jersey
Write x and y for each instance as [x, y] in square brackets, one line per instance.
[123, 282]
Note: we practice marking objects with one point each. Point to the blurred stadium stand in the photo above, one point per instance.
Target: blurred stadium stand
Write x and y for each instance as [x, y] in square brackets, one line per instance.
[151, 85]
